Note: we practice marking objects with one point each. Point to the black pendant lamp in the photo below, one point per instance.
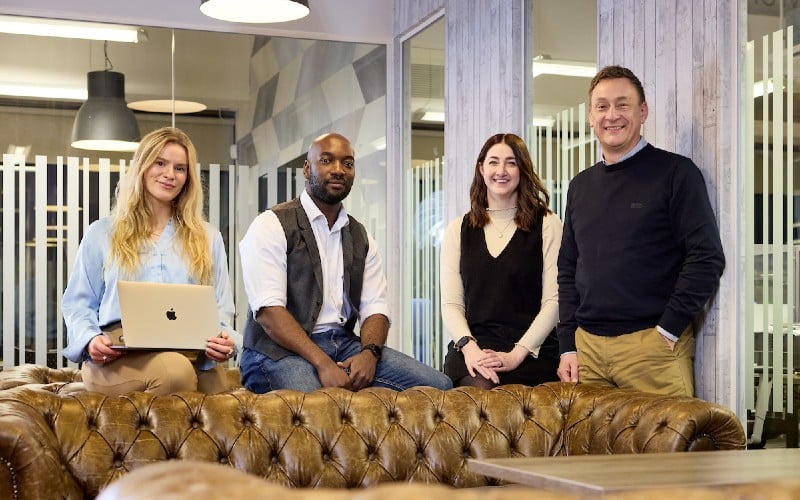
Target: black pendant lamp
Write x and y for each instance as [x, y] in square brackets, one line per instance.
[104, 122]
[255, 11]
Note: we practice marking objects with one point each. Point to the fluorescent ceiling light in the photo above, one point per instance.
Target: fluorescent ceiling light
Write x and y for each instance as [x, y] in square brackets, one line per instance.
[758, 88]
[545, 66]
[69, 29]
[433, 116]
[19, 90]
[543, 121]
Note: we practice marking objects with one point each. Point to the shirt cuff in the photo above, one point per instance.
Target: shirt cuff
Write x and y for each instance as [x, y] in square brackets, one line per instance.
[666, 334]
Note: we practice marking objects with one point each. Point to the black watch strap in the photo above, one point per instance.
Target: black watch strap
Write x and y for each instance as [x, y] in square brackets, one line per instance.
[464, 341]
[375, 349]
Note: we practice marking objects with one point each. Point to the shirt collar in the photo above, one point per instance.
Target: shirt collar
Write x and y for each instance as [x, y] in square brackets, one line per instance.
[314, 213]
[638, 147]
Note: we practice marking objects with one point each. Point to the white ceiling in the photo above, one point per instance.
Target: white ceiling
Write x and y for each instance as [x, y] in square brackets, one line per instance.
[347, 20]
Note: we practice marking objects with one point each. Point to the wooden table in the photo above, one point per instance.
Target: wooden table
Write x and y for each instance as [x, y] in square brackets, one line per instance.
[597, 474]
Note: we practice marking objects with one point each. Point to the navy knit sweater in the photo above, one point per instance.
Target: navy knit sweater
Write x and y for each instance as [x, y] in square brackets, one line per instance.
[640, 248]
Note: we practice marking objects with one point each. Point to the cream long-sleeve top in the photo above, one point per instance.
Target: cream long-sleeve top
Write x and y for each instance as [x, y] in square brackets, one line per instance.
[498, 233]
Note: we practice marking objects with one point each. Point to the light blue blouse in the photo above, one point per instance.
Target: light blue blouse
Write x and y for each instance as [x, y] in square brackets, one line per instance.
[90, 299]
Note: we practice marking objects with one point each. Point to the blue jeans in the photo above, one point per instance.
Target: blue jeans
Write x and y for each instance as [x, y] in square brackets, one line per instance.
[395, 370]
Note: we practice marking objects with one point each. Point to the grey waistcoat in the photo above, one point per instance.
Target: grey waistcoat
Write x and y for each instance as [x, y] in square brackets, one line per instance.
[304, 276]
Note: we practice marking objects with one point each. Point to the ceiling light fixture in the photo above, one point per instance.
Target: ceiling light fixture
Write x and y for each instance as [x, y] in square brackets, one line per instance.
[255, 11]
[433, 116]
[543, 121]
[71, 29]
[104, 121]
[544, 65]
[41, 91]
[172, 105]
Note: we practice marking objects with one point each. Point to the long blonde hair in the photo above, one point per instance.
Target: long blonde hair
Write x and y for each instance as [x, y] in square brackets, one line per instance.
[132, 218]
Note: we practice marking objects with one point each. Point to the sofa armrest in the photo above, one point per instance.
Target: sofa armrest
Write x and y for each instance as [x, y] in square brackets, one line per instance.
[608, 420]
[30, 462]
[37, 374]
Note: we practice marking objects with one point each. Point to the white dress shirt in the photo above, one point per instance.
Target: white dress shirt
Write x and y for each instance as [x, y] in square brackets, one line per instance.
[263, 254]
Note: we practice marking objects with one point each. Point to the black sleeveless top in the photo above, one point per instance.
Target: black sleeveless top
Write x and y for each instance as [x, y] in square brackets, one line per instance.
[503, 294]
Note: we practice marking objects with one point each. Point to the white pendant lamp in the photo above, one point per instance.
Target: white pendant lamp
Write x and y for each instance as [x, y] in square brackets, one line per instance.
[255, 11]
[172, 105]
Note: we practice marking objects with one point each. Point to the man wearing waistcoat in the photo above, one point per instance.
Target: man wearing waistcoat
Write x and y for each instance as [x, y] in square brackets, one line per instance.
[311, 272]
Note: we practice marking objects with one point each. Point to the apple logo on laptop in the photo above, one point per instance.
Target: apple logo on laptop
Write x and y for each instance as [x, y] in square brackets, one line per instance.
[171, 314]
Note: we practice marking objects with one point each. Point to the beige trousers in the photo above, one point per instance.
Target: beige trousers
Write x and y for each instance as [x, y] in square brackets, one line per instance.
[640, 360]
[159, 372]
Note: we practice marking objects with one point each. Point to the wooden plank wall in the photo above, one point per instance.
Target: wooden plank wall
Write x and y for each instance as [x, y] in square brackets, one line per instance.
[484, 92]
[484, 79]
[685, 53]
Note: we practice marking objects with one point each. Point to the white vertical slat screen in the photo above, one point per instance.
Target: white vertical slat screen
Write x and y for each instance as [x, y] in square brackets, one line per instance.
[46, 210]
[213, 195]
[22, 260]
[778, 191]
[40, 310]
[73, 222]
[770, 267]
[749, 223]
[561, 151]
[59, 244]
[426, 222]
[9, 258]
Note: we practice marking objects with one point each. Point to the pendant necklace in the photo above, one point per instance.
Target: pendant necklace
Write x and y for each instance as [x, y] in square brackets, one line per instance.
[502, 231]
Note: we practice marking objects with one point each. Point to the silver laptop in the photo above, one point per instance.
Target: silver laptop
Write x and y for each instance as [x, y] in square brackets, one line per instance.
[165, 316]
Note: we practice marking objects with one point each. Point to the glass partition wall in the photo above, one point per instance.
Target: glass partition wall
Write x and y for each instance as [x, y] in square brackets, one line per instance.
[423, 195]
[266, 98]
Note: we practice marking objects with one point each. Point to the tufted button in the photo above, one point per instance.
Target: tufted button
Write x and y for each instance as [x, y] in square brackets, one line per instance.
[247, 422]
[392, 416]
[195, 424]
[345, 418]
[117, 462]
[296, 421]
[326, 457]
[483, 417]
[274, 459]
[438, 418]
[224, 460]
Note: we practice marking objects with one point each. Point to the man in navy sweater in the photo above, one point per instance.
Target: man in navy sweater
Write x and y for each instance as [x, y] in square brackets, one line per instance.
[640, 254]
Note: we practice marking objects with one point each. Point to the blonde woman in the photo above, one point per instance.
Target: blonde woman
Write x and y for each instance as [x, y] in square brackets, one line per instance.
[156, 232]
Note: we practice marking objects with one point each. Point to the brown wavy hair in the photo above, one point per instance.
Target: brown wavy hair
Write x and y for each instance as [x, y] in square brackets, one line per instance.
[532, 198]
[132, 218]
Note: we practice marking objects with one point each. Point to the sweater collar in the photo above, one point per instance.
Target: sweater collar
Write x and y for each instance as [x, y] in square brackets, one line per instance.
[639, 146]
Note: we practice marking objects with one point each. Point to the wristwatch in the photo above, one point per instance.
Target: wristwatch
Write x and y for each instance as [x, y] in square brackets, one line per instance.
[375, 349]
[464, 341]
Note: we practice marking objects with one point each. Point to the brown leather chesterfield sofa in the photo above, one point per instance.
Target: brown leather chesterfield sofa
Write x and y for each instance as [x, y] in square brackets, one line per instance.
[57, 440]
[169, 481]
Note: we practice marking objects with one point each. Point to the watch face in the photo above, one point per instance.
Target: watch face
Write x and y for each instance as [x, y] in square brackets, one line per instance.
[462, 342]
